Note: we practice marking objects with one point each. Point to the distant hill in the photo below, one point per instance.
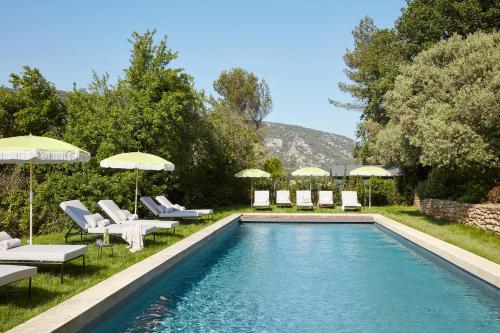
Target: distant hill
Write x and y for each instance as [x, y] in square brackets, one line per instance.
[298, 146]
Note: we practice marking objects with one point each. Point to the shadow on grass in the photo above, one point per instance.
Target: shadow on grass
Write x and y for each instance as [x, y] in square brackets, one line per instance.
[18, 296]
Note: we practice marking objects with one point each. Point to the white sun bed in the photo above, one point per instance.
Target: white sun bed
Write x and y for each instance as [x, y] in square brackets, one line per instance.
[350, 200]
[325, 199]
[162, 211]
[13, 273]
[165, 202]
[77, 211]
[261, 200]
[123, 217]
[43, 254]
[283, 198]
[304, 200]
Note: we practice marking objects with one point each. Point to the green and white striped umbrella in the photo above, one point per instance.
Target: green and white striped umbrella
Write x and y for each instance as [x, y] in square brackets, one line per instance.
[252, 173]
[38, 150]
[310, 172]
[370, 171]
[137, 161]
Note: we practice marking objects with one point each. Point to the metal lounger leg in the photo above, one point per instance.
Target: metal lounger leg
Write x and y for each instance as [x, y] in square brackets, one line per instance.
[62, 273]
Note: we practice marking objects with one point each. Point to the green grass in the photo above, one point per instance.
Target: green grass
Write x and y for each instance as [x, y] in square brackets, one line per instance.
[47, 290]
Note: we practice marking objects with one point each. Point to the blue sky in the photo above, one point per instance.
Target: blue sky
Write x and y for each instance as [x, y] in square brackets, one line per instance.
[297, 46]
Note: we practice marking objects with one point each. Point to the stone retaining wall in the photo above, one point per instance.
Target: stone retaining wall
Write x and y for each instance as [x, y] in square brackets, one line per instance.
[485, 216]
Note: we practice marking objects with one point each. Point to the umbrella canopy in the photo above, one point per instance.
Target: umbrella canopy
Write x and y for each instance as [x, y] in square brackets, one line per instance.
[141, 161]
[370, 171]
[252, 173]
[137, 161]
[38, 150]
[310, 172]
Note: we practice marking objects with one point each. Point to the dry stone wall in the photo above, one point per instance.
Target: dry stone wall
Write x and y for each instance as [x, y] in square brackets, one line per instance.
[485, 216]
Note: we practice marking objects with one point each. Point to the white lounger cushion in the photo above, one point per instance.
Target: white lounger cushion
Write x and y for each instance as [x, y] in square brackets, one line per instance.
[325, 198]
[154, 224]
[350, 199]
[261, 199]
[180, 213]
[283, 197]
[117, 229]
[160, 210]
[13, 273]
[112, 209]
[304, 199]
[166, 203]
[77, 211]
[42, 253]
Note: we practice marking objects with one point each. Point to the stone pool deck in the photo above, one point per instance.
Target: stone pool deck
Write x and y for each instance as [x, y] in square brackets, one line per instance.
[79, 311]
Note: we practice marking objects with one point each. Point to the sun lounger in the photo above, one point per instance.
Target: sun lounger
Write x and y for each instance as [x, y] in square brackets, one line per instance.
[77, 211]
[43, 254]
[124, 217]
[325, 199]
[13, 273]
[304, 200]
[261, 200]
[162, 211]
[178, 208]
[283, 198]
[350, 200]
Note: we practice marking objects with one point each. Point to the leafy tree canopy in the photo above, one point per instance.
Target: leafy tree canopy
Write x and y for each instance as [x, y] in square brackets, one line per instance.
[444, 106]
[246, 93]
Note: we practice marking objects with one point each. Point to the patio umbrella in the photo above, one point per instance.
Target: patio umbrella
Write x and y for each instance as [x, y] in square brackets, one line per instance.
[310, 172]
[38, 150]
[252, 173]
[137, 161]
[370, 171]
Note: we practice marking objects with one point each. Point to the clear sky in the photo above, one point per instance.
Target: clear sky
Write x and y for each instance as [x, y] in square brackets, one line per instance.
[297, 46]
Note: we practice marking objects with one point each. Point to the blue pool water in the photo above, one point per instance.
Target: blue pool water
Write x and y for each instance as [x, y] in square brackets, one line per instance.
[310, 278]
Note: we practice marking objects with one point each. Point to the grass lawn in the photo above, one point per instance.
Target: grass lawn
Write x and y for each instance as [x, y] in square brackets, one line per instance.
[47, 290]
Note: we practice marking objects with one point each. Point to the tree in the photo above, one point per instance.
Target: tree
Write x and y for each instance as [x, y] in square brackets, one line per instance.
[378, 54]
[245, 93]
[32, 107]
[274, 166]
[372, 67]
[444, 109]
[424, 22]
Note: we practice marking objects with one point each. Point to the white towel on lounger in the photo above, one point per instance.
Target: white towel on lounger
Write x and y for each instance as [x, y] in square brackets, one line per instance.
[133, 236]
[9, 244]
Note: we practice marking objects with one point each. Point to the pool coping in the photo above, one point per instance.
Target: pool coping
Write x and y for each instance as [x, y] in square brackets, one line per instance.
[80, 310]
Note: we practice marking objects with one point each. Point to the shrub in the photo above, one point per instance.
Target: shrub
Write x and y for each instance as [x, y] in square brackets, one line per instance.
[494, 195]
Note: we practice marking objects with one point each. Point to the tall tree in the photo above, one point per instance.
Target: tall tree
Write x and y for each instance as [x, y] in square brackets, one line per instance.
[33, 106]
[245, 93]
[444, 109]
[424, 22]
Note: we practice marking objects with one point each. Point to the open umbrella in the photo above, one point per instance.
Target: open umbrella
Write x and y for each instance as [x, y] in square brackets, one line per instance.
[38, 150]
[370, 171]
[137, 161]
[252, 173]
[310, 172]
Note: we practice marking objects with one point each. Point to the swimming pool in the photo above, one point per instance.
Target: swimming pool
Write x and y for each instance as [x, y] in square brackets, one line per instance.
[309, 278]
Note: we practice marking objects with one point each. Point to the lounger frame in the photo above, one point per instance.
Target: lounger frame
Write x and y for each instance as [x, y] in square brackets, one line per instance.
[36, 263]
[19, 292]
[82, 232]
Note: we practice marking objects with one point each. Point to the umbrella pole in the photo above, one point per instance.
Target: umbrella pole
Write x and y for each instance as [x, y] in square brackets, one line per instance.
[136, 188]
[251, 192]
[31, 203]
[370, 195]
